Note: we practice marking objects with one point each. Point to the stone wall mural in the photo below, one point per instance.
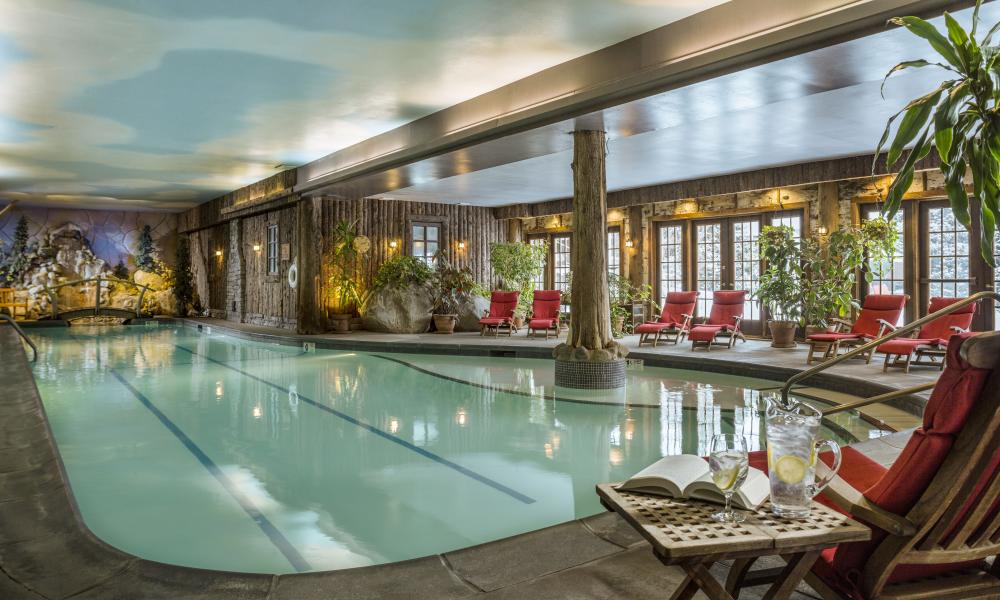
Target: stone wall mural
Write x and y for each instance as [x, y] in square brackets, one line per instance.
[69, 245]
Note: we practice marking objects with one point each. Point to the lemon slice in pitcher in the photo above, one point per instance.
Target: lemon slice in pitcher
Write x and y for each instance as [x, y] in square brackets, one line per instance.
[790, 469]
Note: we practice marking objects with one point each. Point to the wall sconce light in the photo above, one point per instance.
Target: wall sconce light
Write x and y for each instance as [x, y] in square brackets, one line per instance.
[393, 244]
[629, 243]
[822, 230]
[218, 253]
[461, 245]
[256, 247]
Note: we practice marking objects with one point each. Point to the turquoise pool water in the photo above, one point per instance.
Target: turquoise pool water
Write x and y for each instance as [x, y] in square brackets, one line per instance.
[214, 452]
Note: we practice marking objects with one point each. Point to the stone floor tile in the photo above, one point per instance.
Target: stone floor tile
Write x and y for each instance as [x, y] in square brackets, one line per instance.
[419, 579]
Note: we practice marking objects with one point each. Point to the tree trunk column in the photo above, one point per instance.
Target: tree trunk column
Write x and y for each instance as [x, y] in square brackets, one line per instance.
[590, 358]
[309, 306]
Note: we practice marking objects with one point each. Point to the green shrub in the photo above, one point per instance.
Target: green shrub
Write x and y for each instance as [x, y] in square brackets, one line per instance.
[403, 270]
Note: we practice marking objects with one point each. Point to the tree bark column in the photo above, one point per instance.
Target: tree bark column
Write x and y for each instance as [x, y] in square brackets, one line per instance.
[309, 239]
[590, 358]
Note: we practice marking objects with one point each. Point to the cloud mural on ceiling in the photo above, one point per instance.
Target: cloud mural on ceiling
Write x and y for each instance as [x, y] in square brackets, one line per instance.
[161, 105]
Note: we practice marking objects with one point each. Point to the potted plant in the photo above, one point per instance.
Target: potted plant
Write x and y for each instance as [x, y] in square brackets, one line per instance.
[830, 270]
[516, 266]
[959, 118]
[451, 285]
[346, 258]
[623, 297]
[780, 289]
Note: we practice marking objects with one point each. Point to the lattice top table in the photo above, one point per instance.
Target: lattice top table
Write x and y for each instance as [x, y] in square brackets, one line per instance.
[682, 532]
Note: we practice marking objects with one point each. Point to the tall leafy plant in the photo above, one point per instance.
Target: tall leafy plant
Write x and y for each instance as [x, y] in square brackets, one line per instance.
[960, 117]
[346, 267]
[517, 265]
[452, 286]
[781, 284]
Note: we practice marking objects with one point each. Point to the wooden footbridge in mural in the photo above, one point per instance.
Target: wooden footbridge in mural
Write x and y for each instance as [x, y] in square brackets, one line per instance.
[94, 307]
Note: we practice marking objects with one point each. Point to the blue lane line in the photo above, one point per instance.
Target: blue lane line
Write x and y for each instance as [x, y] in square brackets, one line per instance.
[299, 563]
[383, 434]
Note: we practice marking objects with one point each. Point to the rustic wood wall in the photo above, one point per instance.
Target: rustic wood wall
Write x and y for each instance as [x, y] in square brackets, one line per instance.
[269, 299]
[209, 269]
[385, 221]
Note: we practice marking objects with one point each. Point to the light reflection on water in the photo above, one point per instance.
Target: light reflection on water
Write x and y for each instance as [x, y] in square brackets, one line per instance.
[354, 458]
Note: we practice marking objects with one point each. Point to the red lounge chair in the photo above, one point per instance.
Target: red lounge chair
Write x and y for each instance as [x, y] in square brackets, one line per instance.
[878, 313]
[545, 312]
[674, 322]
[501, 313]
[931, 340]
[935, 513]
[723, 322]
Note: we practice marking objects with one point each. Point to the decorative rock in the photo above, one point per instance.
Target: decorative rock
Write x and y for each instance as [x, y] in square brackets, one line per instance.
[399, 310]
[166, 303]
[470, 311]
[146, 278]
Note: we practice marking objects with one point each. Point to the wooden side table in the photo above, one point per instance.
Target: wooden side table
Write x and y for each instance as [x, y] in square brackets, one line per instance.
[683, 533]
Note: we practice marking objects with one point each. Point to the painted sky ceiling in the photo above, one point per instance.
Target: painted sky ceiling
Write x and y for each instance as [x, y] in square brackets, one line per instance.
[163, 104]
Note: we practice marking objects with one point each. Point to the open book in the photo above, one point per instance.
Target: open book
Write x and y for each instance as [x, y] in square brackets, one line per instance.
[688, 476]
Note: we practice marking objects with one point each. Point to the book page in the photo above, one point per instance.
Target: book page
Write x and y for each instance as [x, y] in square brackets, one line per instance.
[669, 475]
[750, 495]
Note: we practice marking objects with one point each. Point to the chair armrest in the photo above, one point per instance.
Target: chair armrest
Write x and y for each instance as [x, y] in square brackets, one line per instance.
[688, 319]
[886, 325]
[854, 503]
[486, 313]
[957, 329]
[841, 323]
[737, 321]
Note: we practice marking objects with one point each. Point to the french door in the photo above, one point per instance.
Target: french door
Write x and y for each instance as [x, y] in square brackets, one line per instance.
[727, 257]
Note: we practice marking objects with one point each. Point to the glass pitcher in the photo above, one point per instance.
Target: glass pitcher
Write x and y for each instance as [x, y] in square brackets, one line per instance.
[792, 451]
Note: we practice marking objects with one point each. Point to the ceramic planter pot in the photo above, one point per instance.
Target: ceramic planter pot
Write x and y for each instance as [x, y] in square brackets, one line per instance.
[341, 323]
[782, 333]
[618, 325]
[518, 322]
[445, 323]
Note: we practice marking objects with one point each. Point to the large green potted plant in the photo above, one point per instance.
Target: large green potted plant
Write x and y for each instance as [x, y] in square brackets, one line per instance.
[830, 269]
[623, 296]
[961, 117]
[781, 283]
[451, 286]
[517, 265]
[346, 261]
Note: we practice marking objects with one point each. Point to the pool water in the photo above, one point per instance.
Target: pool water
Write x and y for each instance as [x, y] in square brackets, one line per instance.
[214, 452]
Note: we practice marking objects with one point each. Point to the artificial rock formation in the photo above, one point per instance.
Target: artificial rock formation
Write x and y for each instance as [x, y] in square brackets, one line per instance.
[470, 310]
[394, 309]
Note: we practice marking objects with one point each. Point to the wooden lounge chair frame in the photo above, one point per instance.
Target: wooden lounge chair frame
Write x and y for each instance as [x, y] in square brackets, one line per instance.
[933, 349]
[832, 349]
[553, 328]
[505, 323]
[675, 335]
[940, 528]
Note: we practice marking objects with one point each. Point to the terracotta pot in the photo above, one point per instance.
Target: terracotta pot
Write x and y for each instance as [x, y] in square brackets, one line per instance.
[341, 323]
[782, 334]
[518, 322]
[445, 323]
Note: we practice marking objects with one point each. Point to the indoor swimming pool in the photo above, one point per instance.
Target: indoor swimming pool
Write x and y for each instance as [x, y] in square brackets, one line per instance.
[211, 451]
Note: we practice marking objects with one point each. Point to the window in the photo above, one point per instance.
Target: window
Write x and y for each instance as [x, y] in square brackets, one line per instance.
[889, 277]
[670, 256]
[708, 253]
[272, 249]
[540, 280]
[425, 242]
[947, 255]
[560, 261]
[746, 262]
[614, 251]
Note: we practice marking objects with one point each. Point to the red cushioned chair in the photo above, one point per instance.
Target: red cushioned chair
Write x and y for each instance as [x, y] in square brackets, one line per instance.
[931, 341]
[878, 313]
[723, 322]
[501, 313]
[674, 322]
[935, 513]
[545, 312]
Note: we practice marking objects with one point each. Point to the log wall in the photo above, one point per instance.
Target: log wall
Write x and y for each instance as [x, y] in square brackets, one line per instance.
[269, 299]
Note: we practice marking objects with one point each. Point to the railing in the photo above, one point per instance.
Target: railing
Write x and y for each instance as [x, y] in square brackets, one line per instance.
[21, 333]
[898, 332]
[101, 280]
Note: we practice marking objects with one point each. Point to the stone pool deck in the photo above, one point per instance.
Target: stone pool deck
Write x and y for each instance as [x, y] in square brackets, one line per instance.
[46, 551]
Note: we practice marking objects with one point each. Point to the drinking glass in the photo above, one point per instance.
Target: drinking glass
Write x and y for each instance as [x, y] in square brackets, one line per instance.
[728, 463]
